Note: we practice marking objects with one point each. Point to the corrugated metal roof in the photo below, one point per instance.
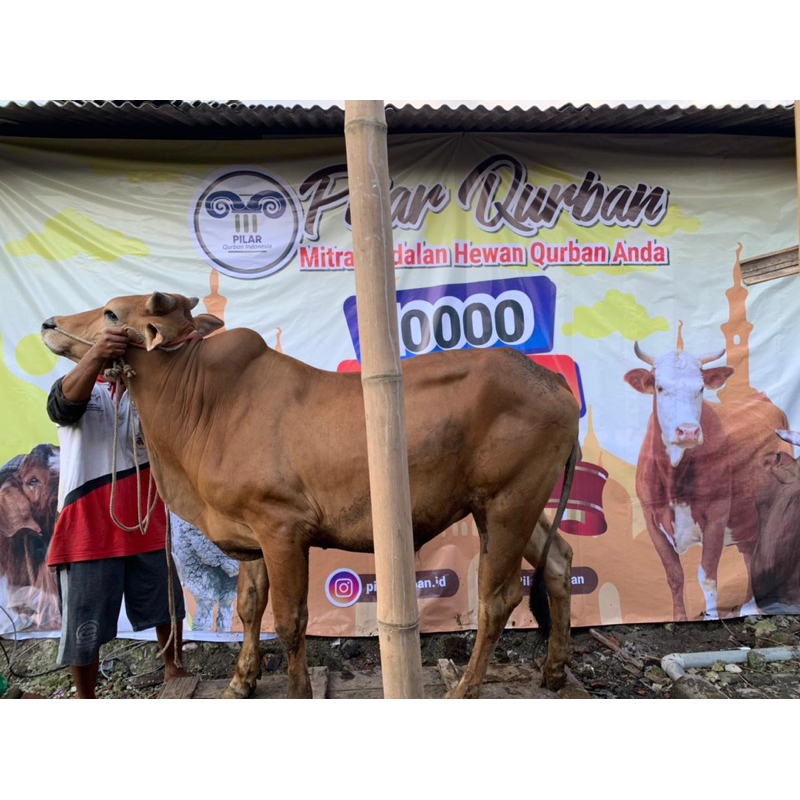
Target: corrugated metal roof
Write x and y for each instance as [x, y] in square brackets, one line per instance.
[177, 119]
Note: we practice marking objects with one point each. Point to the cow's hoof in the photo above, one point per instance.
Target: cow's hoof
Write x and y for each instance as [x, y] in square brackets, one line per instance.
[553, 681]
[459, 692]
[238, 691]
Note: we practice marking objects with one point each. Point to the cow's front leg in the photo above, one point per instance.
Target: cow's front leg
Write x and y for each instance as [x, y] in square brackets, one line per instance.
[660, 535]
[287, 563]
[713, 541]
[252, 593]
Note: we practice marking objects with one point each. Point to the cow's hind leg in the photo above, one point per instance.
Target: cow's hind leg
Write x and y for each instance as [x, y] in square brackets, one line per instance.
[252, 593]
[499, 592]
[287, 563]
[558, 581]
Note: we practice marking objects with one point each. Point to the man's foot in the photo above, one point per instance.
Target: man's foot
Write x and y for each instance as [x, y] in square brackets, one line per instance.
[176, 672]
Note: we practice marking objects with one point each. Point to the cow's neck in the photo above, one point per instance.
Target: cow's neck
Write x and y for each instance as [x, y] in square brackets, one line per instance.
[166, 389]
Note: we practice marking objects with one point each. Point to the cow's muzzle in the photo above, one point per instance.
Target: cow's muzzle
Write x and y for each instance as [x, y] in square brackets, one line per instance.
[688, 435]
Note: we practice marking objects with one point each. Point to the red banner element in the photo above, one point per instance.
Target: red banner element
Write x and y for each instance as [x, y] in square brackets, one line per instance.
[585, 501]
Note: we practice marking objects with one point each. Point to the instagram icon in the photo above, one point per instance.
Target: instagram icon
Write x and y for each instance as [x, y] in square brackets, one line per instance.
[343, 588]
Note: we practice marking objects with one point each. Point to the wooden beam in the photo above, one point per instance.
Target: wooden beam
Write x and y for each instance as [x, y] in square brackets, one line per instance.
[780, 263]
[797, 157]
[769, 266]
[382, 382]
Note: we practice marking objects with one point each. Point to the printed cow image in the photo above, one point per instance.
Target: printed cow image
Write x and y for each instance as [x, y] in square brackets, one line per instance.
[776, 559]
[699, 468]
[207, 573]
[28, 499]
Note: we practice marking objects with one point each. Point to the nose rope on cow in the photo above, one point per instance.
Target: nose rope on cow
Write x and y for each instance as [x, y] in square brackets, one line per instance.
[120, 371]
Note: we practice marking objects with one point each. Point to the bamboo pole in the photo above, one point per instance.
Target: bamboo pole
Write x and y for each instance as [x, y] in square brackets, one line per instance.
[382, 382]
[797, 162]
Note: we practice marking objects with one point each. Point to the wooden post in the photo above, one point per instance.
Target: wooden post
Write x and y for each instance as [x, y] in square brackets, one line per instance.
[797, 161]
[382, 382]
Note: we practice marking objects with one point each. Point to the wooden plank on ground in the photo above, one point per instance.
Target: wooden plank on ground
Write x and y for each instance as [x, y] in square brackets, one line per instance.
[319, 682]
[449, 672]
[179, 688]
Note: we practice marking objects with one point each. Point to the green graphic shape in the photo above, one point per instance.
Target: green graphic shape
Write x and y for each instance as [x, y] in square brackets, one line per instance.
[34, 357]
[71, 234]
[617, 312]
[24, 414]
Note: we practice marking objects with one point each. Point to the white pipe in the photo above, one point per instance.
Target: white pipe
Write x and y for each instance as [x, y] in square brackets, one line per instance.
[676, 664]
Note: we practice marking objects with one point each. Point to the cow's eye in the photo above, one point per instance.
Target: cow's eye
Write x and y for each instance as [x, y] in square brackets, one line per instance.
[111, 316]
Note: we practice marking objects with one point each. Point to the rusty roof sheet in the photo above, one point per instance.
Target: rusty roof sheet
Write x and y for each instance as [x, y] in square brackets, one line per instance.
[177, 119]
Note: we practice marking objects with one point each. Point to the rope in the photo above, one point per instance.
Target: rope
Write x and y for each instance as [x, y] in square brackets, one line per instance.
[173, 621]
[142, 523]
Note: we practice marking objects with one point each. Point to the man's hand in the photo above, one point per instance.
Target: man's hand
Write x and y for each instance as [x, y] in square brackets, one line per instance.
[110, 344]
[77, 384]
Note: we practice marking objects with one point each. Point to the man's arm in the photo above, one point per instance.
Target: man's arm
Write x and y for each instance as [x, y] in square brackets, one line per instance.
[78, 383]
[70, 395]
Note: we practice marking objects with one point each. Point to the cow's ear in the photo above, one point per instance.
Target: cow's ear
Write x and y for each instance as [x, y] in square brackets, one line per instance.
[643, 380]
[715, 377]
[153, 335]
[207, 323]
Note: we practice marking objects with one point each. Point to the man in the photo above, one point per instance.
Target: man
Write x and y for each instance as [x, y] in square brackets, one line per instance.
[97, 560]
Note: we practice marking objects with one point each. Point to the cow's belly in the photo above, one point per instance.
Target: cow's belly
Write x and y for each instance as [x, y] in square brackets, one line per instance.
[686, 532]
[350, 528]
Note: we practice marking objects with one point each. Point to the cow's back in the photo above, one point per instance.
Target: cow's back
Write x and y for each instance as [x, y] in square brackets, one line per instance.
[474, 420]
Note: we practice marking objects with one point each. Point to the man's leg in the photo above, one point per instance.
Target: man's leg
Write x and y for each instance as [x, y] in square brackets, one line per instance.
[171, 670]
[85, 679]
[90, 595]
[148, 606]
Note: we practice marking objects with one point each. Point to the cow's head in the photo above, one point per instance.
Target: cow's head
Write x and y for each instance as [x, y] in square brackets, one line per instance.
[15, 511]
[781, 465]
[38, 476]
[149, 320]
[677, 380]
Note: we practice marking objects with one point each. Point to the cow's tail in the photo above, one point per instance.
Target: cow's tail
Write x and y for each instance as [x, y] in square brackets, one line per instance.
[539, 603]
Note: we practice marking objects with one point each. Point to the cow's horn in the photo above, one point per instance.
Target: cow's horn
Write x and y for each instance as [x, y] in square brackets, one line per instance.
[789, 436]
[708, 357]
[639, 352]
[159, 303]
[193, 301]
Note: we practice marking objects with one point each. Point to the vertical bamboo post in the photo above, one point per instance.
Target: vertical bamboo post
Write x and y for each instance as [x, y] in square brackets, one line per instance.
[797, 162]
[382, 382]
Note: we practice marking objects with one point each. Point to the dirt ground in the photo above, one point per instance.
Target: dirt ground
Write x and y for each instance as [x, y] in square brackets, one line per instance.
[621, 661]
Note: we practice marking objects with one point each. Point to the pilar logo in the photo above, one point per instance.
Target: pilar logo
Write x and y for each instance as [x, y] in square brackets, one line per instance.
[246, 222]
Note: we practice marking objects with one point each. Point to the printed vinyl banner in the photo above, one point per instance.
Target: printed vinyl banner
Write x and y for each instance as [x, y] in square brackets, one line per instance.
[611, 260]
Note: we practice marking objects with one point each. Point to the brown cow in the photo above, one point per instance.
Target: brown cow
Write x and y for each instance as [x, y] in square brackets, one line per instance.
[268, 457]
[776, 559]
[28, 499]
[699, 471]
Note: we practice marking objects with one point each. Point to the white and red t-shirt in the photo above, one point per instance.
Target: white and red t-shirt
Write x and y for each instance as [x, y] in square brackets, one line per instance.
[84, 530]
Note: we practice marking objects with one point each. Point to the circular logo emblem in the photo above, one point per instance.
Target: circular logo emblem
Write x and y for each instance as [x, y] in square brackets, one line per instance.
[247, 223]
[343, 588]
